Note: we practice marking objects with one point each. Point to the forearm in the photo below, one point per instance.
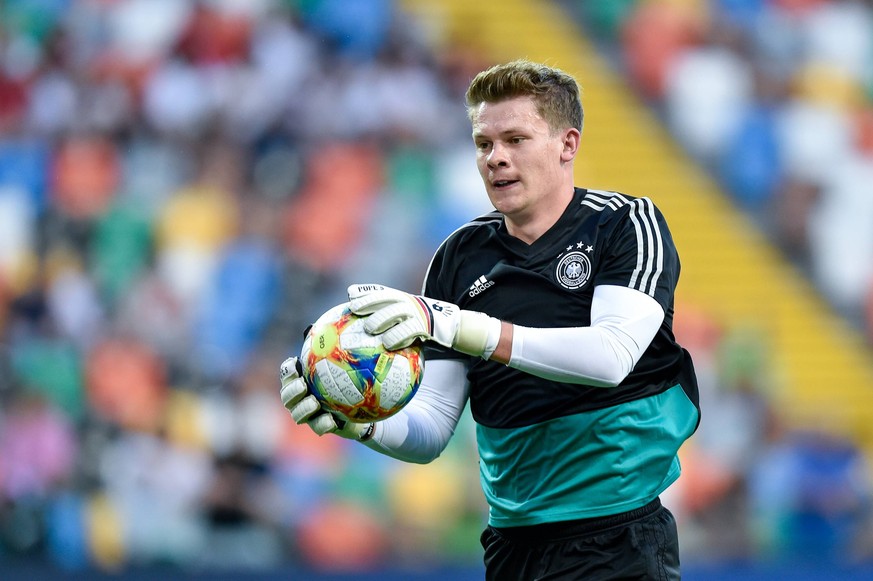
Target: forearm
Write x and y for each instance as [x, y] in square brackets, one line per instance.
[585, 355]
[422, 430]
[603, 354]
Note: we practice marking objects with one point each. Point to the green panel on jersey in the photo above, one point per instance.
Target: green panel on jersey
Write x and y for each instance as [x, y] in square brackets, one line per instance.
[547, 472]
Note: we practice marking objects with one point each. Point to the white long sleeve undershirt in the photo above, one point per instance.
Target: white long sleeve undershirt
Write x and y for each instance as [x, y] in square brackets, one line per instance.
[422, 430]
[623, 323]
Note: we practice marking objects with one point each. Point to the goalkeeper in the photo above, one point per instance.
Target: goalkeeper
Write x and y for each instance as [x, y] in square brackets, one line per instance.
[553, 316]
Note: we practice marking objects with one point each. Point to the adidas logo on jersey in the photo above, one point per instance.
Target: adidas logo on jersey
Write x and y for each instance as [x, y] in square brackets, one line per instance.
[480, 285]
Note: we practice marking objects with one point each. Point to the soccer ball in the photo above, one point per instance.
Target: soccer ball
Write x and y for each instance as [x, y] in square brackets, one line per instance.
[350, 371]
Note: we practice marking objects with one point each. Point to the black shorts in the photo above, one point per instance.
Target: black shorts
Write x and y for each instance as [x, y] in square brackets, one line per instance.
[639, 544]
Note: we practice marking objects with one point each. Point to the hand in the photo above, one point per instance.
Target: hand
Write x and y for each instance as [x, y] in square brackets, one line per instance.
[305, 407]
[401, 319]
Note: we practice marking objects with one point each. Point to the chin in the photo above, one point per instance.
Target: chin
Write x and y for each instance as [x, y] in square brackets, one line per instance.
[509, 210]
[507, 201]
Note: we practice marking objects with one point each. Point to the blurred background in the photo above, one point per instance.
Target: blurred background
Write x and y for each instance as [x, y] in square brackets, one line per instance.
[185, 185]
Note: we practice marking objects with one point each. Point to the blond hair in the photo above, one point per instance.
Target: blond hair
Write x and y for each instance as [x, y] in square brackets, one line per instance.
[555, 92]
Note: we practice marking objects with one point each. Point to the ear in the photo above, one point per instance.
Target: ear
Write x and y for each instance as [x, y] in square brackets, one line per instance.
[570, 141]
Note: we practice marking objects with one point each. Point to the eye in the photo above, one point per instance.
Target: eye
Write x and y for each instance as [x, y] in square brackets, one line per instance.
[516, 140]
[483, 145]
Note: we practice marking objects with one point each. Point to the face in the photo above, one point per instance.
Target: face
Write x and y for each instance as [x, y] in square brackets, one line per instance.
[523, 164]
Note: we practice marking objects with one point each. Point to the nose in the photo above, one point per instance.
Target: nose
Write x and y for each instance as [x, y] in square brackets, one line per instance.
[497, 157]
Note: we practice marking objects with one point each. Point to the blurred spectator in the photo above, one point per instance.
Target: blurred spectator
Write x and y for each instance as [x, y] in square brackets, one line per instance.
[37, 458]
[796, 201]
[126, 384]
[653, 36]
[841, 242]
[708, 91]
[811, 497]
[155, 490]
[85, 175]
[751, 164]
[239, 536]
[326, 218]
[18, 219]
[37, 448]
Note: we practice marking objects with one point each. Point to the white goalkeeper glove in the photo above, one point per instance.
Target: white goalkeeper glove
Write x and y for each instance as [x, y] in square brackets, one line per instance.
[401, 318]
[305, 407]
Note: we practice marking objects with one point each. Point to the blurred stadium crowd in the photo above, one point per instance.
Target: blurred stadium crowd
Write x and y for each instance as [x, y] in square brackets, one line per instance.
[185, 185]
[775, 98]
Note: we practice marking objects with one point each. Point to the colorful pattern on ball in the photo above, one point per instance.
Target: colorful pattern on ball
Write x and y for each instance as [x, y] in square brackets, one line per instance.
[350, 371]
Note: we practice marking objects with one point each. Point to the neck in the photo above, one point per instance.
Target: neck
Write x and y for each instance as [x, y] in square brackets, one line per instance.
[530, 228]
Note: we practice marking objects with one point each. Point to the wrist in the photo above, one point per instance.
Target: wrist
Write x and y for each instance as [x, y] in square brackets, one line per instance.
[503, 352]
[353, 430]
[367, 432]
[477, 334]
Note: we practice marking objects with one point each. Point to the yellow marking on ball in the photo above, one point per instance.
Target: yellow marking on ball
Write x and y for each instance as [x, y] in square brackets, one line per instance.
[381, 364]
[325, 340]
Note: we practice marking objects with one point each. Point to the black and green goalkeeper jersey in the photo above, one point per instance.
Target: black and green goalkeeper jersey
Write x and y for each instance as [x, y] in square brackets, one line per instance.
[552, 451]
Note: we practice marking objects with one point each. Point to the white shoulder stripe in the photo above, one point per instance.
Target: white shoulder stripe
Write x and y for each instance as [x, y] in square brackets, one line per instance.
[650, 245]
[597, 199]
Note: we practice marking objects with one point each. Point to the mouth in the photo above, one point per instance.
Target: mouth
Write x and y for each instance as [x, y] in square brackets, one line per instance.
[503, 184]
